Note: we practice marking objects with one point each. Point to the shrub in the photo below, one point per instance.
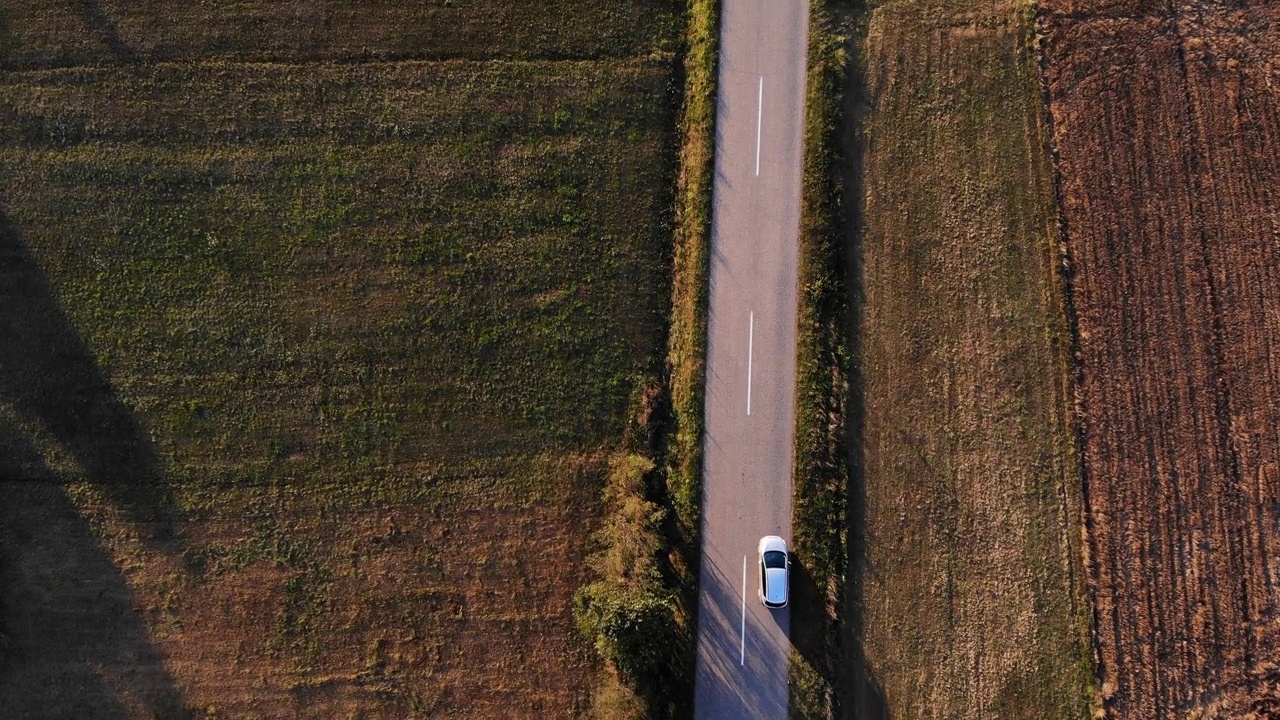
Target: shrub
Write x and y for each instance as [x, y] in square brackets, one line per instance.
[629, 612]
[631, 629]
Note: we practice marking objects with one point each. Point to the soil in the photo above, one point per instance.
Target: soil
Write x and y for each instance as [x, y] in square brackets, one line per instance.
[1167, 134]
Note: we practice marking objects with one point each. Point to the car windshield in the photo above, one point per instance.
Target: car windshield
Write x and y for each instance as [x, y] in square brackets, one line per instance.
[775, 559]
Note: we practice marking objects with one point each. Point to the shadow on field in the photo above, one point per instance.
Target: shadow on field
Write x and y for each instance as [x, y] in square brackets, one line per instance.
[104, 29]
[860, 696]
[75, 646]
[50, 380]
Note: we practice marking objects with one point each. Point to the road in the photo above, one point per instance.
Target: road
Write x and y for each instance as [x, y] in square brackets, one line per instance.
[743, 648]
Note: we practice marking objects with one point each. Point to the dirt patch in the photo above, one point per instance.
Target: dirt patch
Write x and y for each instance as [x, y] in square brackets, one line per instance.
[303, 610]
[1167, 129]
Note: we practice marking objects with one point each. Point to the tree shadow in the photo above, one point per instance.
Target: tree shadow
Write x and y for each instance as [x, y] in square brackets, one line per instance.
[77, 647]
[104, 29]
[52, 381]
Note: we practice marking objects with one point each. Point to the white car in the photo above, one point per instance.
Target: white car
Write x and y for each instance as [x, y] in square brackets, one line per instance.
[774, 566]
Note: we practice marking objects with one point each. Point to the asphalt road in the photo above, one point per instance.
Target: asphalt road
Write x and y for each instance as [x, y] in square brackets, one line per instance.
[743, 647]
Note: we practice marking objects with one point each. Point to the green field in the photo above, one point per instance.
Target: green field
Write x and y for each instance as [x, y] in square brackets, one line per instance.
[312, 365]
[79, 32]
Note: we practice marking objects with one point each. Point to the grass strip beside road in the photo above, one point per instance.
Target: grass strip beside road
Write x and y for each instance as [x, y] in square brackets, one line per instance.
[821, 476]
[687, 338]
[687, 343]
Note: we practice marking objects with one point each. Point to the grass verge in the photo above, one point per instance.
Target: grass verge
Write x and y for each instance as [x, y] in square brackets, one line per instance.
[819, 504]
[687, 338]
[687, 342]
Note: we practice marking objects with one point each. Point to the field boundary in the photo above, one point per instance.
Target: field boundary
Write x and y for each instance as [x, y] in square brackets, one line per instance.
[648, 637]
[1072, 371]
[821, 473]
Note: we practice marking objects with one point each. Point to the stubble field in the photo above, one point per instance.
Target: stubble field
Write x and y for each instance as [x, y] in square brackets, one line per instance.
[968, 586]
[1167, 127]
[313, 348]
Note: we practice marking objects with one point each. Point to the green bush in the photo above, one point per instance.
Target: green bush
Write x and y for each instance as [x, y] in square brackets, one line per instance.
[629, 612]
[631, 629]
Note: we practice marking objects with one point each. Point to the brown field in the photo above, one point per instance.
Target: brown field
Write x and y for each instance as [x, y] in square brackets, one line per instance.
[1167, 128]
[78, 32]
[312, 358]
[968, 589]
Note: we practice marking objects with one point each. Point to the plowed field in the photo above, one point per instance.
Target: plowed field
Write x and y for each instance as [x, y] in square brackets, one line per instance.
[1167, 129]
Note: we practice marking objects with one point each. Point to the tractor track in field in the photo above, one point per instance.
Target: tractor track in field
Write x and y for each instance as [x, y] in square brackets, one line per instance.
[1167, 130]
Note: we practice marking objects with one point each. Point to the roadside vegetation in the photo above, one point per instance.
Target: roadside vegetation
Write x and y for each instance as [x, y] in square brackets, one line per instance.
[821, 484]
[641, 607]
[320, 371]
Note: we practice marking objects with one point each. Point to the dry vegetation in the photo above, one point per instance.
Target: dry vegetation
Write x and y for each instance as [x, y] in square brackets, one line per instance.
[311, 370]
[967, 586]
[77, 32]
[1167, 127]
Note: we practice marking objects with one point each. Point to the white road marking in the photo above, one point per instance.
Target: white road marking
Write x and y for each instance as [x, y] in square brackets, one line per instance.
[742, 648]
[759, 118]
[751, 339]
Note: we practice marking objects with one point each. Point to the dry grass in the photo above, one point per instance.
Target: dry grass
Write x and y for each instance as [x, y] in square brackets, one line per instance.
[968, 585]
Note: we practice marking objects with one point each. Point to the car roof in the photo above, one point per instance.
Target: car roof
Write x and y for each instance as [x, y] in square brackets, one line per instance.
[775, 586]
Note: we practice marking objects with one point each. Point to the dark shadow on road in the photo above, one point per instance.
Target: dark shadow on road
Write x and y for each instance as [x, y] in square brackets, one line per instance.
[103, 28]
[51, 380]
[724, 667]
